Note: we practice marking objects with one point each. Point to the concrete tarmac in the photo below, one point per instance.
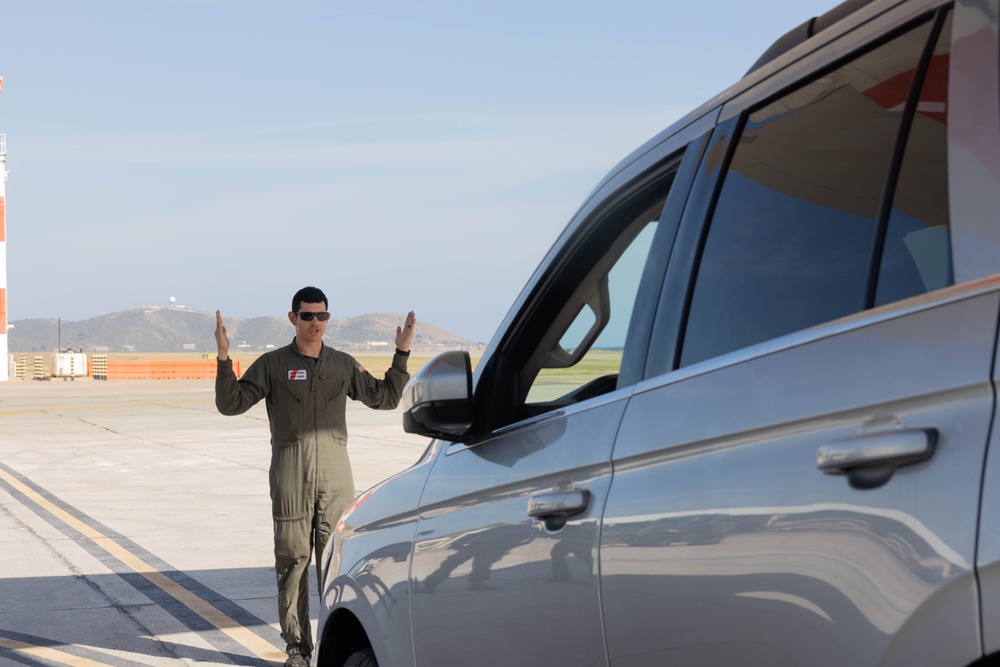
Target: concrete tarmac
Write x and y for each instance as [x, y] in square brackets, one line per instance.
[135, 522]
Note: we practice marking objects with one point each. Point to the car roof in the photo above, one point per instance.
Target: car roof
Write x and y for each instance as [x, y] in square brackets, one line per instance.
[807, 30]
[791, 47]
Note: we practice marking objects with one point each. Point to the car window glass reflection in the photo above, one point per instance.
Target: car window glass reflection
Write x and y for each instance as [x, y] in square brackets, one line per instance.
[791, 240]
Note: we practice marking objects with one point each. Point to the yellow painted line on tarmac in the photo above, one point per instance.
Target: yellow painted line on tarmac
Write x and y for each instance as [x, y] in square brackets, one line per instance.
[52, 654]
[249, 640]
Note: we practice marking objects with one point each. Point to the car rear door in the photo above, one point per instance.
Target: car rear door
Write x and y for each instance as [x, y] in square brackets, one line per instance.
[798, 481]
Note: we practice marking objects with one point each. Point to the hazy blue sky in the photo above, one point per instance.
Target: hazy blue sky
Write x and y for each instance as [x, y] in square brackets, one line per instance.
[399, 155]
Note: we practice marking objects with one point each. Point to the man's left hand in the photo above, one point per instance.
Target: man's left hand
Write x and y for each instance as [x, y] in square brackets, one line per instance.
[404, 334]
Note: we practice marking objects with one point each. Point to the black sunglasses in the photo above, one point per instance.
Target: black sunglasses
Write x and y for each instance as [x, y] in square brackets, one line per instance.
[307, 316]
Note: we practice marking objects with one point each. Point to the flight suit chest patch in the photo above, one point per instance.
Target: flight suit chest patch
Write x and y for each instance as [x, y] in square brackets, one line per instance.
[298, 374]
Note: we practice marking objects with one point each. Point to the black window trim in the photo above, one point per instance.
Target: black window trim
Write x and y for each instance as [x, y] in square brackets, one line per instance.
[899, 152]
[670, 317]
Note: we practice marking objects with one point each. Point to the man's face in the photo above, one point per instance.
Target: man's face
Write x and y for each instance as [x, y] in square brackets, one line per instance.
[312, 330]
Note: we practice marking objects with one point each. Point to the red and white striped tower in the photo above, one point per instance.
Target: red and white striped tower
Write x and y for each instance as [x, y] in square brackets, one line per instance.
[4, 364]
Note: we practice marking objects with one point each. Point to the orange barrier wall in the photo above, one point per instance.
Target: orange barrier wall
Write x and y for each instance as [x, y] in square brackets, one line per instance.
[165, 370]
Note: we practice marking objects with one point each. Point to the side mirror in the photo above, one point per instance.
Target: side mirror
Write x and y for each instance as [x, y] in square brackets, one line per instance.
[437, 401]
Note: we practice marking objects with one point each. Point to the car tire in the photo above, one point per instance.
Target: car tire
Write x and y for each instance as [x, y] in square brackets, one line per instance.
[365, 658]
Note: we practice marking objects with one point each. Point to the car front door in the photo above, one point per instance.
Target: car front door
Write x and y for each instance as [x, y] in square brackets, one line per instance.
[504, 567]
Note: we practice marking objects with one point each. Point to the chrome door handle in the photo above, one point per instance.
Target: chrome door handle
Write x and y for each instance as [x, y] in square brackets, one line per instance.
[555, 507]
[871, 459]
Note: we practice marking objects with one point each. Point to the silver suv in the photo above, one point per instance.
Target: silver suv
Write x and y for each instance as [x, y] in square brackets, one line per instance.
[742, 412]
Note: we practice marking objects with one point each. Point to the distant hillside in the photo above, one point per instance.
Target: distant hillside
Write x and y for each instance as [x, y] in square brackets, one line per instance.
[178, 329]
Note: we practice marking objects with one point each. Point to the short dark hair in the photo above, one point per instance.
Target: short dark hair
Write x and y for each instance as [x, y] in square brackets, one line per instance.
[308, 295]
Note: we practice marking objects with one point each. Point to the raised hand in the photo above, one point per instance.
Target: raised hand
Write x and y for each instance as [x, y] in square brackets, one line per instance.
[404, 334]
[221, 337]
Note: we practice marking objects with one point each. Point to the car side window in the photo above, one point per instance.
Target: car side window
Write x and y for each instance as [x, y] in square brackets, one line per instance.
[603, 355]
[570, 348]
[798, 219]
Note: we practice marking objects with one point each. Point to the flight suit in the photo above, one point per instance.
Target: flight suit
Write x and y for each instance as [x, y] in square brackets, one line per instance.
[310, 475]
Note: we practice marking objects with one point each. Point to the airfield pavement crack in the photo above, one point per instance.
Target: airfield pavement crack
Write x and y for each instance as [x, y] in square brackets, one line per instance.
[167, 445]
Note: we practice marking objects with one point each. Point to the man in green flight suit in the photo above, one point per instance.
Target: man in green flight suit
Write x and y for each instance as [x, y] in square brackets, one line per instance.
[306, 386]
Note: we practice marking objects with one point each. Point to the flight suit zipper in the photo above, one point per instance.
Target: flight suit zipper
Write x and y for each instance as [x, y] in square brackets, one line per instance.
[315, 443]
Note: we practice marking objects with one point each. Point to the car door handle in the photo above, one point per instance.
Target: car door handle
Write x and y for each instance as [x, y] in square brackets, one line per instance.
[879, 453]
[554, 508]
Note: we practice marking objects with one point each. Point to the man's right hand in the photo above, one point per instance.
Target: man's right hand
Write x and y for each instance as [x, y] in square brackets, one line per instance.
[221, 339]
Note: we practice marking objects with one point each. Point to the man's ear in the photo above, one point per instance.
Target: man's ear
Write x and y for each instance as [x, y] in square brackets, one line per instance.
[291, 317]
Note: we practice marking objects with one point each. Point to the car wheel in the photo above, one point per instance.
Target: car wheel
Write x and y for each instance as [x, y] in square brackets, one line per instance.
[365, 658]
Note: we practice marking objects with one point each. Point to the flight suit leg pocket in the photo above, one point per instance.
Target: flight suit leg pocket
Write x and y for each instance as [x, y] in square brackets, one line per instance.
[287, 482]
